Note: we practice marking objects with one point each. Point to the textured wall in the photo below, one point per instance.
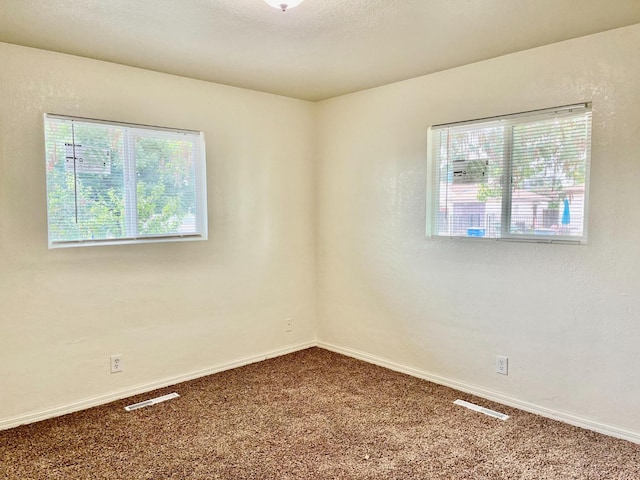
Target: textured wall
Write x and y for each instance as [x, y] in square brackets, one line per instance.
[169, 308]
[567, 316]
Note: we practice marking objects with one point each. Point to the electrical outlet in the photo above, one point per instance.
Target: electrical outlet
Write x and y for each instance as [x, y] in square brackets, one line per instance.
[289, 325]
[502, 365]
[116, 363]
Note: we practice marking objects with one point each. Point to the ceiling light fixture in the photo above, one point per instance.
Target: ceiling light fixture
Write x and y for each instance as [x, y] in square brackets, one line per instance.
[284, 5]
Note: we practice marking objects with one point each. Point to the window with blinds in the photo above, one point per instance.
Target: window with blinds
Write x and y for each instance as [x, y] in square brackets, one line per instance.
[110, 182]
[517, 177]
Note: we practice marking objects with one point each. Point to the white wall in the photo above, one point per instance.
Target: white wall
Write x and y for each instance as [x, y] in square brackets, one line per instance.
[171, 308]
[566, 316]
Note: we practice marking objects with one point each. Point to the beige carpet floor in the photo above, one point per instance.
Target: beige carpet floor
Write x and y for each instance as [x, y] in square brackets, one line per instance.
[310, 415]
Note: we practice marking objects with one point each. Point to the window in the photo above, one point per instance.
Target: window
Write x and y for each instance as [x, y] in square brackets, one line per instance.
[517, 177]
[111, 182]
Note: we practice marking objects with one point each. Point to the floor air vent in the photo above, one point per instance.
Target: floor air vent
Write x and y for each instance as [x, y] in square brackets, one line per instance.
[153, 401]
[478, 408]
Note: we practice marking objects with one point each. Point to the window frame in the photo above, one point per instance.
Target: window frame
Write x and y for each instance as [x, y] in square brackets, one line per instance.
[508, 121]
[200, 175]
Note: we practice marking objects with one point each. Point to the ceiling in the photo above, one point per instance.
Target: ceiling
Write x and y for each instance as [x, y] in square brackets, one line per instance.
[321, 49]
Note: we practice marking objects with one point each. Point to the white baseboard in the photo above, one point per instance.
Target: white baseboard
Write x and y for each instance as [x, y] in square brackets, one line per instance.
[138, 389]
[577, 421]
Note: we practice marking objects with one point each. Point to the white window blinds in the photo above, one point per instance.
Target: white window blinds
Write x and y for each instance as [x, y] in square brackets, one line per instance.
[521, 176]
[112, 182]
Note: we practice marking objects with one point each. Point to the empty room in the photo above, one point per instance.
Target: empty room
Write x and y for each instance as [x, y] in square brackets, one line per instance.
[319, 239]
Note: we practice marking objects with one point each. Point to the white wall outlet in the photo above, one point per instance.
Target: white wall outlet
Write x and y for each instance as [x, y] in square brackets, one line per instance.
[116, 363]
[289, 325]
[502, 365]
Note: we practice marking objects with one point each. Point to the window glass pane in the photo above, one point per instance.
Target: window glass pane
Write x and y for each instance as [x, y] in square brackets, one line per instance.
[470, 175]
[60, 182]
[85, 182]
[520, 176]
[166, 183]
[113, 182]
[548, 172]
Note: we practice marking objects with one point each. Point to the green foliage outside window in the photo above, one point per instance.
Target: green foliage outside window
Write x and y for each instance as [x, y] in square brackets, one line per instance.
[124, 183]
